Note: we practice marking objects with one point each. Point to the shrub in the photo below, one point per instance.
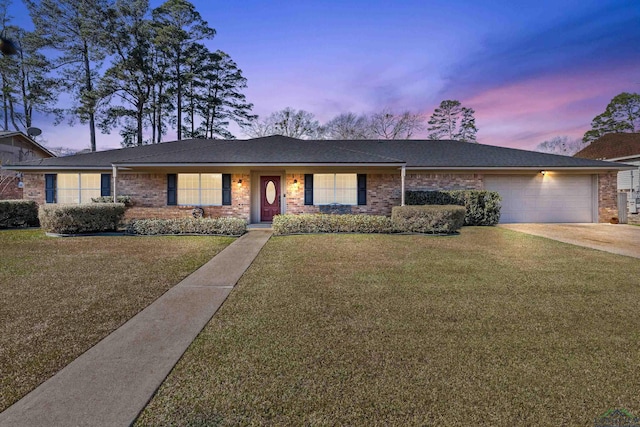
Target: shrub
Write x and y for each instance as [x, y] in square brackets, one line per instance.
[482, 207]
[445, 219]
[85, 218]
[18, 213]
[208, 226]
[325, 223]
[108, 199]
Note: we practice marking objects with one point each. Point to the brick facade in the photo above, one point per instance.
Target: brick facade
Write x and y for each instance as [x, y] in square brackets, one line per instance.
[149, 196]
[607, 196]
[149, 193]
[9, 186]
[383, 190]
[383, 193]
[33, 187]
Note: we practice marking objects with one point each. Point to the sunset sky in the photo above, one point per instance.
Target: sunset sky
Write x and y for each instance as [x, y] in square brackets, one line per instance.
[532, 70]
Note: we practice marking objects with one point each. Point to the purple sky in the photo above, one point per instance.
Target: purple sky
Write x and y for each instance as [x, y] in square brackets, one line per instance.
[530, 69]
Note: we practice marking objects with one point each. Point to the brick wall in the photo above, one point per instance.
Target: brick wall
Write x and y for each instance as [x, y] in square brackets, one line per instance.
[149, 193]
[383, 190]
[149, 196]
[443, 181]
[33, 187]
[607, 196]
[9, 189]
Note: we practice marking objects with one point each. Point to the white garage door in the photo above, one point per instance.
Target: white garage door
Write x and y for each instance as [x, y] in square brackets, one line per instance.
[548, 198]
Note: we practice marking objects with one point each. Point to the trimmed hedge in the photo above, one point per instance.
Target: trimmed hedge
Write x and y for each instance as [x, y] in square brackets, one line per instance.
[205, 226]
[326, 223]
[108, 199]
[18, 213]
[483, 207]
[445, 219]
[84, 218]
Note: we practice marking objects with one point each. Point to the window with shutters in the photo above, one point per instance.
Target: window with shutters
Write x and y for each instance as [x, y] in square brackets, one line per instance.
[335, 188]
[75, 188]
[201, 189]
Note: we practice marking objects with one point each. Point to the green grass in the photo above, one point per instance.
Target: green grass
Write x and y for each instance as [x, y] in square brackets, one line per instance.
[491, 327]
[60, 296]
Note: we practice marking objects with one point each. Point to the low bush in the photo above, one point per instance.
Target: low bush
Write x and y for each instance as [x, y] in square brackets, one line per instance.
[208, 226]
[85, 218]
[433, 219]
[126, 200]
[482, 207]
[18, 213]
[325, 223]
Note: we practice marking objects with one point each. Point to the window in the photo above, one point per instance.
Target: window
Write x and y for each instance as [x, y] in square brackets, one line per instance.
[200, 189]
[338, 188]
[77, 187]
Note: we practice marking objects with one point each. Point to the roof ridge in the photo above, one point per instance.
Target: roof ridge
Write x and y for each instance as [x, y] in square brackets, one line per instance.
[182, 150]
[369, 154]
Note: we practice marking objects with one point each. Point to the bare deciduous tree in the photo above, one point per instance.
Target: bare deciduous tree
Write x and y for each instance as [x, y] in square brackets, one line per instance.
[389, 125]
[287, 122]
[561, 145]
[349, 126]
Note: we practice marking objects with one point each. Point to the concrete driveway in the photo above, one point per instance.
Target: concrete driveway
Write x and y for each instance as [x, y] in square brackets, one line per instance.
[619, 239]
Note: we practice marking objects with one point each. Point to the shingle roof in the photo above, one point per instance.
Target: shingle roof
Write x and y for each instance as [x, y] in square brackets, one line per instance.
[280, 150]
[612, 146]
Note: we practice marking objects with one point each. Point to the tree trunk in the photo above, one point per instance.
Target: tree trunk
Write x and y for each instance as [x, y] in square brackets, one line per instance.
[140, 119]
[159, 112]
[13, 116]
[91, 102]
[5, 106]
[179, 93]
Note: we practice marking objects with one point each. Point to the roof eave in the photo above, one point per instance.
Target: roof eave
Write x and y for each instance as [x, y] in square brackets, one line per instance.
[611, 167]
[191, 165]
[49, 168]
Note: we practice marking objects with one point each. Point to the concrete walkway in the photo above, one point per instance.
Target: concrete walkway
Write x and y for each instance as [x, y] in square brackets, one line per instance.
[619, 239]
[112, 382]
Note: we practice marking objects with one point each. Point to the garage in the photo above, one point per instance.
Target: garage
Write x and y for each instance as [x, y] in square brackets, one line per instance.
[550, 197]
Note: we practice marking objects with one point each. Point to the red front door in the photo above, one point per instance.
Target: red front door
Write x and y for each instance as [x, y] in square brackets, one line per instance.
[269, 197]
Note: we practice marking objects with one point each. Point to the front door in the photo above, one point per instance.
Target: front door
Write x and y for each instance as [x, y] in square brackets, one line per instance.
[269, 197]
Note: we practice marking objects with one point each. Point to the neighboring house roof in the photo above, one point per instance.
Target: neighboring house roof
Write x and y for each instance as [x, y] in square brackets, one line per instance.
[280, 150]
[612, 146]
[8, 135]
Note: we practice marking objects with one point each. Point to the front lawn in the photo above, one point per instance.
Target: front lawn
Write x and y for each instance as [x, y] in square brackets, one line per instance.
[60, 296]
[491, 327]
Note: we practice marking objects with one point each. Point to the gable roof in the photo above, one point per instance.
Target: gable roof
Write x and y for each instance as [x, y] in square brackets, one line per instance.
[284, 151]
[8, 135]
[612, 146]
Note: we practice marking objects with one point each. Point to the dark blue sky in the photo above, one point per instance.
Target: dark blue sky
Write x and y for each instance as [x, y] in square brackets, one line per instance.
[531, 69]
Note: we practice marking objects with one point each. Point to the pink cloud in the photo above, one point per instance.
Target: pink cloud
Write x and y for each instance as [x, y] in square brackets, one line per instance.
[524, 114]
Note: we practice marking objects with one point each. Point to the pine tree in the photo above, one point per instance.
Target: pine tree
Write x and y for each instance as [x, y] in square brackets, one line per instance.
[467, 130]
[222, 100]
[621, 115]
[444, 120]
[453, 121]
[76, 30]
[179, 26]
[128, 84]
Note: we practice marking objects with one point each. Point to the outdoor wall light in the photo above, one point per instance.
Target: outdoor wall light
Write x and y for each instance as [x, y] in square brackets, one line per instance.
[295, 183]
[543, 173]
[239, 183]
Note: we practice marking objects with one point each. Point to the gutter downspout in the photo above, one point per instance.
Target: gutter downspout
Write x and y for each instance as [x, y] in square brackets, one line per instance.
[403, 173]
[114, 175]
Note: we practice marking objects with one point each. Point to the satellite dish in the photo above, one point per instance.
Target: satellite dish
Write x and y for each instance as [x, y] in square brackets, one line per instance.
[34, 131]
